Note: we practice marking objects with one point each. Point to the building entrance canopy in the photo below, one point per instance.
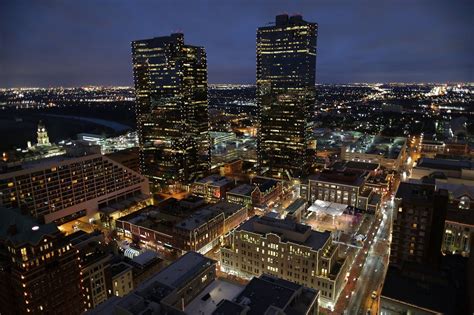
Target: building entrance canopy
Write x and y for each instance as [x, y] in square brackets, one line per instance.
[326, 207]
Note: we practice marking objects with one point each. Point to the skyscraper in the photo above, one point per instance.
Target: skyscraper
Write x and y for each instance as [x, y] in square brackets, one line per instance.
[286, 66]
[171, 108]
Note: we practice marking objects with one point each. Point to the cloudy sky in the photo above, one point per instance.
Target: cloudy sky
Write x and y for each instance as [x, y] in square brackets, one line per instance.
[87, 42]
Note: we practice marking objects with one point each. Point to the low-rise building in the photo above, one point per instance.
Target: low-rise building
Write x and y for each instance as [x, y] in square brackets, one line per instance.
[388, 152]
[121, 275]
[188, 224]
[458, 231]
[271, 295]
[342, 187]
[451, 171]
[212, 187]
[167, 292]
[287, 250]
[369, 201]
[296, 209]
[257, 194]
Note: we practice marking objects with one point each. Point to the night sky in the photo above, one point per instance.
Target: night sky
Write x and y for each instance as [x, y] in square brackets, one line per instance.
[72, 43]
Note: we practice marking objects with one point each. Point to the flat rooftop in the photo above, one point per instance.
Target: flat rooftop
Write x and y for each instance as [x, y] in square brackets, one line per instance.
[26, 229]
[351, 178]
[207, 301]
[387, 147]
[295, 205]
[215, 180]
[243, 190]
[445, 164]
[265, 293]
[288, 230]
[182, 270]
[203, 215]
[412, 191]
[355, 165]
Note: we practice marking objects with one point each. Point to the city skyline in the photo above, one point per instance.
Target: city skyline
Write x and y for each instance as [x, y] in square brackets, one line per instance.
[359, 42]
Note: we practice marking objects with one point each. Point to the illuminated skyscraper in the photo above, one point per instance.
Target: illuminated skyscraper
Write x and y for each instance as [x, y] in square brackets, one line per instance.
[286, 66]
[171, 108]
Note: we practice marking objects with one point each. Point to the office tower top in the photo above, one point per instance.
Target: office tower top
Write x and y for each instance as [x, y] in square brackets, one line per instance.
[171, 108]
[286, 66]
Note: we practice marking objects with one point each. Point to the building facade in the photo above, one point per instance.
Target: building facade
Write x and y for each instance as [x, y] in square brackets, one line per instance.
[62, 189]
[418, 225]
[287, 250]
[172, 109]
[342, 187]
[286, 67]
[39, 268]
[198, 229]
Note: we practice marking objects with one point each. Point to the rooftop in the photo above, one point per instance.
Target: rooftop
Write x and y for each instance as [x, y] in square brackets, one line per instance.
[288, 230]
[215, 180]
[295, 205]
[19, 228]
[377, 145]
[207, 301]
[117, 269]
[351, 178]
[412, 191]
[445, 164]
[181, 271]
[244, 190]
[268, 292]
[441, 290]
[355, 165]
[203, 215]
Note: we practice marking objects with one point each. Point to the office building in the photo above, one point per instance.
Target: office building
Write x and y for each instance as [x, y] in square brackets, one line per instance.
[39, 268]
[63, 188]
[286, 69]
[171, 108]
[288, 250]
[418, 225]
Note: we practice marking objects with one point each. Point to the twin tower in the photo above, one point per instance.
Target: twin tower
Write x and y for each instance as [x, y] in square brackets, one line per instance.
[172, 108]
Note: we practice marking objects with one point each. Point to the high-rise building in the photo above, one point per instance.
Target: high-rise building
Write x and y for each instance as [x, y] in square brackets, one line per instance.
[63, 188]
[39, 268]
[418, 225]
[286, 66]
[171, 108]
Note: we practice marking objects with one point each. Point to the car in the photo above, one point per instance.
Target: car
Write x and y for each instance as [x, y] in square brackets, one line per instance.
[374, 294]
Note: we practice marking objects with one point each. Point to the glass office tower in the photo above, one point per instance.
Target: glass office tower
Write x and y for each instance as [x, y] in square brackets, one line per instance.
[286, 66]
[172, 109]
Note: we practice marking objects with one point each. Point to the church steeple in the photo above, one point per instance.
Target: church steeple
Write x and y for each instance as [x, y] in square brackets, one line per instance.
[43, 139]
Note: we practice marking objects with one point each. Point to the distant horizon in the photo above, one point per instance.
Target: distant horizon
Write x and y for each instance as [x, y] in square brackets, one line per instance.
[247, 84]
[54, 43]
